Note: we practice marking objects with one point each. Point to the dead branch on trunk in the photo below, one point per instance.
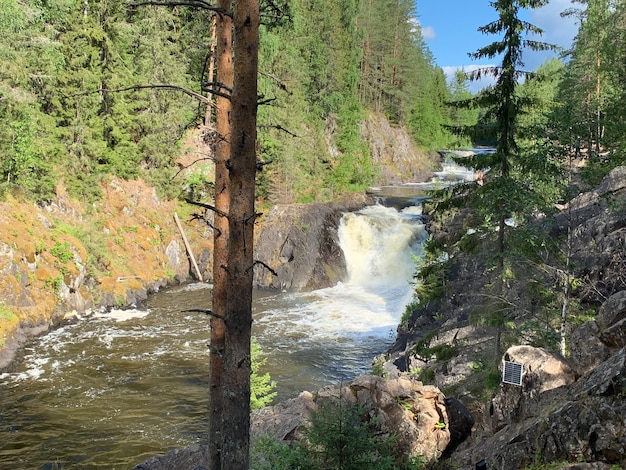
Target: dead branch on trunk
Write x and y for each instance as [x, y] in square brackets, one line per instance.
[207, 206]
[189, 3]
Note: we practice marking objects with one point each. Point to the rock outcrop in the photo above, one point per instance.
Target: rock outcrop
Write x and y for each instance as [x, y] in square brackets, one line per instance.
[421, 420]
[598, 222]
[576, 421]
[395, 153]
[414, 413]
[567, 409]
[299, 242]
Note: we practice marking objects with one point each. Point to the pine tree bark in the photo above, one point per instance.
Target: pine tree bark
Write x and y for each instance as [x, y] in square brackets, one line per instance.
[220, 238]
[242, 168]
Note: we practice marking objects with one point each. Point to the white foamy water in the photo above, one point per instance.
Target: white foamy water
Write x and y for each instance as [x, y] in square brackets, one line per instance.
[122, 315]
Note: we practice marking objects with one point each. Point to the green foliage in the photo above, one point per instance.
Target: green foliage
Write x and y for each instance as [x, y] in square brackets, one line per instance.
[261, 385]
[6, 313]
[378, 368]
[198, 186]
[62, 251]
[269, 454]
[439, 352]
[341, 437]
[94, 239]
[426, 375]
[74, 109]
[431, 276]
[598, 167]
[492, 378]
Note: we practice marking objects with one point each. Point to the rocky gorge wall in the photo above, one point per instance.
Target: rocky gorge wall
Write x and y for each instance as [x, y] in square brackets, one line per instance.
[67, 258]
[568, 409]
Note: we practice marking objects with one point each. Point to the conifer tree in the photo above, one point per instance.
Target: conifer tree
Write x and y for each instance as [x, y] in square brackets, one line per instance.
[505, 193]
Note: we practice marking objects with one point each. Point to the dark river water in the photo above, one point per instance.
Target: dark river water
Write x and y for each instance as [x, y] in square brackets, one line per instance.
[113, 389]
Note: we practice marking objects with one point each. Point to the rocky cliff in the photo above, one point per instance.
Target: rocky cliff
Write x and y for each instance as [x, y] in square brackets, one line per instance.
[67, 258]
[299, 242]
[567, 409]
[395, 154]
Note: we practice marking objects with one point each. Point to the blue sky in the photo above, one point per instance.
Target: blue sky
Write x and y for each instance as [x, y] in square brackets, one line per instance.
[450, 30]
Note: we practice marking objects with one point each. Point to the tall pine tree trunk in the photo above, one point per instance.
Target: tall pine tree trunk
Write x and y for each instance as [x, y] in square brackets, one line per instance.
[208, 120]
[242, 167]
[220, 237]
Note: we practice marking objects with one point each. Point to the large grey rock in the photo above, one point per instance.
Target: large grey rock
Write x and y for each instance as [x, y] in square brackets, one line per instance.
[586, 348]
[299, 242]
[612, 310]
[285, 420]
[178, 262]
[416, 414]
[609, 377]
[543, 371]
[583, 421]
[397, 158]
[613, 182]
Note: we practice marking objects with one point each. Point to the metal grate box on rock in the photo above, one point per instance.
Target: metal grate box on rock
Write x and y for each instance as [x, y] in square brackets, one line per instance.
[512, 373]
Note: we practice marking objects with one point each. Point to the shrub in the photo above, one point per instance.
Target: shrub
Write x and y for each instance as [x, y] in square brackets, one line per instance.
[261, 385]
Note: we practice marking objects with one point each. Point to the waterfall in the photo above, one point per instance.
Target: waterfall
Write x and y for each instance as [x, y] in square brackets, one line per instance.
[332, 334]
[379, 244]
[77, 393]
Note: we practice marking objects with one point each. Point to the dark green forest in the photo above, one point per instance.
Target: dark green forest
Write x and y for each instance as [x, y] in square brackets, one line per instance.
[75, 106]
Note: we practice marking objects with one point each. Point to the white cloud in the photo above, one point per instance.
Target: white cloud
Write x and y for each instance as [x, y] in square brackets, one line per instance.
[556, 29]
[428, 32]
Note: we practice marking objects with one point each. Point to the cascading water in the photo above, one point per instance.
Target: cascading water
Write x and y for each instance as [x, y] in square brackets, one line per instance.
[332, 334]
[110, 391]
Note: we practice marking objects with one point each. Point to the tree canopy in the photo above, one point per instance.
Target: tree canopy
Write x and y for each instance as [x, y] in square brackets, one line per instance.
[77, 106]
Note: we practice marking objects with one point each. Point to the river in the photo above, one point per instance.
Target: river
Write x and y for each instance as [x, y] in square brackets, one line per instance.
[112, 389]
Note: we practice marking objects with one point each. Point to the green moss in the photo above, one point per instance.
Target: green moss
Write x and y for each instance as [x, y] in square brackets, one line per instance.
[62, 251]
[6, 314]
[8, 322]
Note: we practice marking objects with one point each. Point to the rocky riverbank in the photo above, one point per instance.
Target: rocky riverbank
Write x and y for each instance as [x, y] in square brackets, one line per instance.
[67, 258]
[568, 409]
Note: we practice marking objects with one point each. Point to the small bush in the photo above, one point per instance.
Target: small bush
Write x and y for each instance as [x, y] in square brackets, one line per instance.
[261, 385]
[62, 251]
[341, 438]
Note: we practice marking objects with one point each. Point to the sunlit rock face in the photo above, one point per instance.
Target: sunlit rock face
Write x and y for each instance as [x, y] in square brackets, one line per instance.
[416, 414]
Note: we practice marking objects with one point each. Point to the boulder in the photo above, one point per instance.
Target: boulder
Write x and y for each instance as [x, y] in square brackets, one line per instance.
[178, 262]
[586, 348]
[612, 310]
[285, 420]
[543, 371]
[416, 414]
[609, 377]
[578, 422]
[613, 182]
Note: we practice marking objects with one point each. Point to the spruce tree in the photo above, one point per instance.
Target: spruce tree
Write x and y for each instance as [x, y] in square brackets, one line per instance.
[505, 194]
